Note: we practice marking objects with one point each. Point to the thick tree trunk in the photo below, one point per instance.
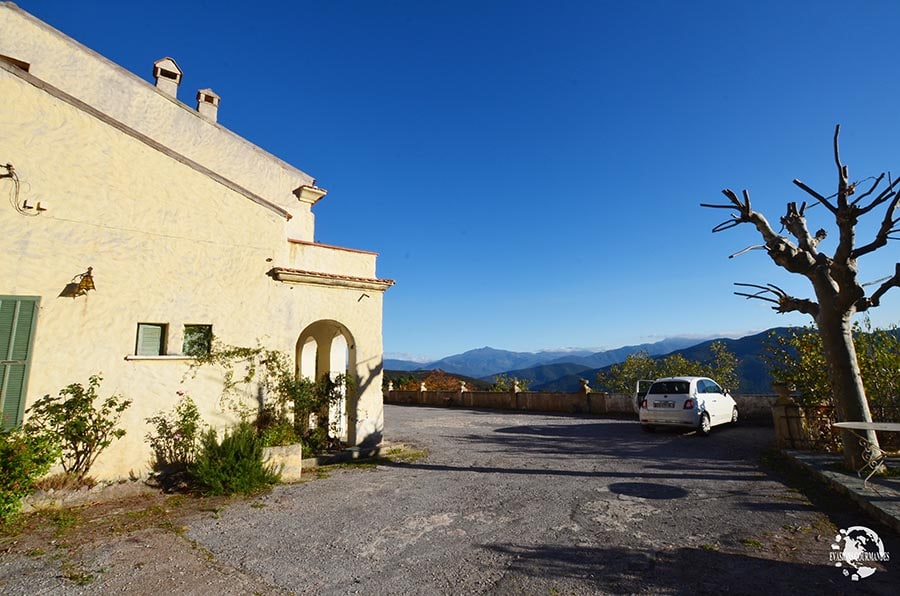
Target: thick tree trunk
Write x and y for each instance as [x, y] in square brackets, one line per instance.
[851, 405]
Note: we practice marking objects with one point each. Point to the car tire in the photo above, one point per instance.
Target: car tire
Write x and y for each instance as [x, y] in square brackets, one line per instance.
[648, 428]
[734, 416]
[704, 426]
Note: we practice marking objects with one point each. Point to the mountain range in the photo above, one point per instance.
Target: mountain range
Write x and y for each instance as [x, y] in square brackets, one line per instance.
[563, 370]
[487, 362]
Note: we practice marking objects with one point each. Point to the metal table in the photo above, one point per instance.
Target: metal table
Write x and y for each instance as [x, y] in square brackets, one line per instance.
[872, 454]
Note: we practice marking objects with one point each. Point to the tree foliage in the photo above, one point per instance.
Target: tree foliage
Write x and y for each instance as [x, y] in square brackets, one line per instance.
[504, 382]
[798, 360]
[437, 380]
[623, 377]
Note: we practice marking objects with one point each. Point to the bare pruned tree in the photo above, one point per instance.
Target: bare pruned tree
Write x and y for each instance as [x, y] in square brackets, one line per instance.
[839, 293]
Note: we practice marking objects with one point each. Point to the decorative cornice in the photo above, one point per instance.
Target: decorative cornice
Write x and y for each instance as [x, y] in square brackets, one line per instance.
[299, 276]
[309, 194]
[331, 246]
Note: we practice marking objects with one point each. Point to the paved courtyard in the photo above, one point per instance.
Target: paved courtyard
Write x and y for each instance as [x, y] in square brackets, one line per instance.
[504, 503]
[512, 503]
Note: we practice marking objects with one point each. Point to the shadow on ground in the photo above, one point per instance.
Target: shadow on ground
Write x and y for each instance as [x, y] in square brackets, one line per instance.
[682, 571]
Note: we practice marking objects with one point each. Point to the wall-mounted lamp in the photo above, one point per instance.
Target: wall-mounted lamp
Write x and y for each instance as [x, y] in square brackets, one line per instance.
[80, 285]
[86, 282]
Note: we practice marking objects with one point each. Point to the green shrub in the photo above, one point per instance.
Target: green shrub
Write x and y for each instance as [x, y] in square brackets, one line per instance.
[82, 429]
[234, 465]
[316, 441]
[24, 458]
[175, 437]
[278, 433]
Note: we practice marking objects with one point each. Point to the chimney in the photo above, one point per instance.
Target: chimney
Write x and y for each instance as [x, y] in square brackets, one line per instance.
[167, 75]
[208, 104]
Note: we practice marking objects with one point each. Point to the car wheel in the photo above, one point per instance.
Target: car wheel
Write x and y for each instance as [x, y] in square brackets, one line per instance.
[648, 428]
[705, 426]
[734, 416]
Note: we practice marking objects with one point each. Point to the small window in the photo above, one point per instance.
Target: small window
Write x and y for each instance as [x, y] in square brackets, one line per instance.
[151, 339]
[197, 340]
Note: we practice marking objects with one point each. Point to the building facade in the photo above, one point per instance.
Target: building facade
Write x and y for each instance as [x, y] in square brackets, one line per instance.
[137, 226]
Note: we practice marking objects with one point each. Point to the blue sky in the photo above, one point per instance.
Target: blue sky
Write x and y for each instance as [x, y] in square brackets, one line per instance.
[530, 172]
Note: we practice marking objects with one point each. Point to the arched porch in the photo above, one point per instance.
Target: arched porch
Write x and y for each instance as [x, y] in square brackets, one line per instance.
[327, 347]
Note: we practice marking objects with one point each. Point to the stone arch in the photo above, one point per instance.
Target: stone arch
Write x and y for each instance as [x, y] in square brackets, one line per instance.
[328, 347]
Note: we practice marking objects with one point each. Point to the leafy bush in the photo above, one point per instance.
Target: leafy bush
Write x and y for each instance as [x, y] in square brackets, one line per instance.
[504, 382]
[175, 437]
[82, 429]
[24, 458]
[234, 465]
[315, 441]
[275, 433]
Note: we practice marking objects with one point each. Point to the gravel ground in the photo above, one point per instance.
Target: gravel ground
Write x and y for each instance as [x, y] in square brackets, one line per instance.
[504, 503]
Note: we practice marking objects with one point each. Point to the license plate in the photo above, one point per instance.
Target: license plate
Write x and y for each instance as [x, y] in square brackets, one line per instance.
[664, 404]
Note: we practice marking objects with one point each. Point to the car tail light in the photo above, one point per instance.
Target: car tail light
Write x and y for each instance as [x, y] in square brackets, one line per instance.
[688, 404]
[644, 404]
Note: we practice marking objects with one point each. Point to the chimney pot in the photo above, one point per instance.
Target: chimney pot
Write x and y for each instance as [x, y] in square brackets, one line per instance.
[167, 75]
[208, 104]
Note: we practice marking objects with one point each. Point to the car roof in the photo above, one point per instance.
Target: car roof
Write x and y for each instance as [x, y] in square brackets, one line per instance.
[681, 379]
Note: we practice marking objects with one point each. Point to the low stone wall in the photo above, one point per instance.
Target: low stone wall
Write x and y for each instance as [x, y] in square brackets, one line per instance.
[755, 406]
[288, 458]
[751, 407]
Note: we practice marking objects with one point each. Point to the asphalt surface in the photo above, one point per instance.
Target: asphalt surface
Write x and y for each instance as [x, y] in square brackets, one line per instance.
[516, 503]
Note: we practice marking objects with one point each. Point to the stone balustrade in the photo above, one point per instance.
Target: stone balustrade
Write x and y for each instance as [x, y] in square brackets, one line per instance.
[751, 407]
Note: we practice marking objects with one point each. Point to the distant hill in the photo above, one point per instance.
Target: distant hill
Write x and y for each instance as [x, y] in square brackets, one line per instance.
[610, 357]
[546, 373]
[395, 364]
[753, 374]
[563, 371]
[486, 362]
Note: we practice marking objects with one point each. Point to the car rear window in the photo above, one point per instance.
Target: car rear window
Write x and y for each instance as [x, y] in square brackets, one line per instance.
[671, 387]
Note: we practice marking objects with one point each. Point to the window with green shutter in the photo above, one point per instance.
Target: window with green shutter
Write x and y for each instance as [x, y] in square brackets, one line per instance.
[17, 321]
[151, 339]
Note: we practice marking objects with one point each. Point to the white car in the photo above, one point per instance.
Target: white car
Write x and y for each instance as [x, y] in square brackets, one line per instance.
[688, 402]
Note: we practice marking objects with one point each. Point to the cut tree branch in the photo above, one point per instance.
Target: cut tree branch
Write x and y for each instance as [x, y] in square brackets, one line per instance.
[784, 302]
[871, 190]
[845, 189]
[888, 227]
[780, 249]
[892, 282]
[821, 199]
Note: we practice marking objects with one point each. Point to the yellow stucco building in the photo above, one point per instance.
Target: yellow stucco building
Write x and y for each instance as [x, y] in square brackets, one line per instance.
[181, 227]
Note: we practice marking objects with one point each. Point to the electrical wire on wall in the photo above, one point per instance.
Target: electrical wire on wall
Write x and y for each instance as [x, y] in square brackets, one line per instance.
[22, 207]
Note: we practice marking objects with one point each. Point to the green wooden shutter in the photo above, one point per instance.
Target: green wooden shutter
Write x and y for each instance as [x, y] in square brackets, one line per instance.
[150, 339]
[17, 318]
